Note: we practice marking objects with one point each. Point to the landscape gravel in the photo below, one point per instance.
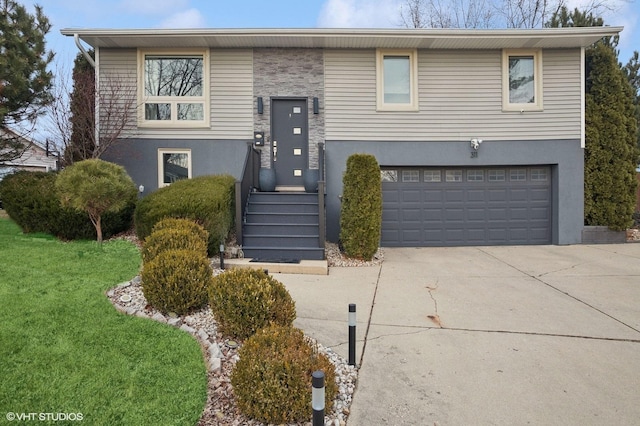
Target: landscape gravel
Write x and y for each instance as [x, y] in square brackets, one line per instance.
[221, 354]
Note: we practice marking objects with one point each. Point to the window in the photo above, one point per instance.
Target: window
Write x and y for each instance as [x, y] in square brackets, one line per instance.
[521, 80]
[475, 175]
[397, 80]
[496, 175]
[432, 176]
[174, 89]
[538, 175]
[410, 176]
[453, 175]
[517, 175]
[173, 165]
[389, 175]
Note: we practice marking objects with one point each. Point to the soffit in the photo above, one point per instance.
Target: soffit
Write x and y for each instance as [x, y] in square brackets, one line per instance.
[344, 39]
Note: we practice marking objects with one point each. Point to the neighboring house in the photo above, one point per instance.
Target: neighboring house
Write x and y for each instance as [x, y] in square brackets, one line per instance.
[35, 158]
[479, 133]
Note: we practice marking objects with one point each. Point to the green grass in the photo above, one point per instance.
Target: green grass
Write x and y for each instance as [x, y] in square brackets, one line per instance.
[65, 349]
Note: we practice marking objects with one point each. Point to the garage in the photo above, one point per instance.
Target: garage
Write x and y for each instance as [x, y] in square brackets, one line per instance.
[448, 206]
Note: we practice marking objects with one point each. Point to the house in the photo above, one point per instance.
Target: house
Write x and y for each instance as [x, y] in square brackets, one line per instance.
[479, 133]
[35, 157]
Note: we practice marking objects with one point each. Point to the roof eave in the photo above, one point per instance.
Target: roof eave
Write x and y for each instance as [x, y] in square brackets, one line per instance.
[574, 37]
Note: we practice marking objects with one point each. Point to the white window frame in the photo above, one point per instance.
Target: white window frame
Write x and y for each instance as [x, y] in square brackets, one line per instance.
[537, 81]
[174, 100]
[412, 105]
[161, 152]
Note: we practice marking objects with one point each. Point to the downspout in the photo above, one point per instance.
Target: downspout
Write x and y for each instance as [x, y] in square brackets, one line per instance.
[88, 57]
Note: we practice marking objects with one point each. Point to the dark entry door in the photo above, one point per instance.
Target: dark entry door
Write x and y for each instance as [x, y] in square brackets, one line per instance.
[289, 140]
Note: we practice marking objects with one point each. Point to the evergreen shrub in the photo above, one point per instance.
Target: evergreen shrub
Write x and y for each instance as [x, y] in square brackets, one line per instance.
[30, 199]
[177, 234]
[272, 379]
[246, 300]
[361, 212]
[177, 281]
[207, 200]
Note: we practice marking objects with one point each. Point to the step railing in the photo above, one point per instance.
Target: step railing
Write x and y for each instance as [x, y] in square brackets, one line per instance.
[244, 186]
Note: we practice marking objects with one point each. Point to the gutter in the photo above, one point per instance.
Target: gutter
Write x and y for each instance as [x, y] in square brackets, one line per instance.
[76, 38]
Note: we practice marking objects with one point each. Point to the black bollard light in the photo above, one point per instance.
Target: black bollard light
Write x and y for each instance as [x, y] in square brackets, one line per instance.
[221, 256]
[352, 334]
[317, 397]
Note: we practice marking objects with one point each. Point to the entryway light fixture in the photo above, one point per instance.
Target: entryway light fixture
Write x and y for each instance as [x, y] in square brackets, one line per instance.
[260, 105]
[316, 106]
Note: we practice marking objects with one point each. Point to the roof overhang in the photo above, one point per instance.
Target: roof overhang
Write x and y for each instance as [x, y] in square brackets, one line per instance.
[547, 38]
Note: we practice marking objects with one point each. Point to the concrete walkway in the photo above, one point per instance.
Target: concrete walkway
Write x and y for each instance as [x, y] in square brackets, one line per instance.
[539, 335]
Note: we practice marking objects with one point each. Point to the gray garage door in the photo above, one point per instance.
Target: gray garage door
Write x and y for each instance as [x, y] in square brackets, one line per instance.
[466, 206]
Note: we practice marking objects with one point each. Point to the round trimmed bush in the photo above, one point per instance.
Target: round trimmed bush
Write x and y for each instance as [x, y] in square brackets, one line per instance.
[177, 281]
[179, 237]
[246, 300]
[272, 379]
[190, 225]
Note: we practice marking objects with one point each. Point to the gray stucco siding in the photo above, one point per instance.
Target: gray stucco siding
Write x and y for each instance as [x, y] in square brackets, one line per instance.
[565, 158]
[140, 157]
[460, 97]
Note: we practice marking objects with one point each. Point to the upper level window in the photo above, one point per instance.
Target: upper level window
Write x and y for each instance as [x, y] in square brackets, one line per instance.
[173, 89]
[521, 80]
[397, 80]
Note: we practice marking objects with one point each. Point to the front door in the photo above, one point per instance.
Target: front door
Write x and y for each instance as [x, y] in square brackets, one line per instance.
[289, 140]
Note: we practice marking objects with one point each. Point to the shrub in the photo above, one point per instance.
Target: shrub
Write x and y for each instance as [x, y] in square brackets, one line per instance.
[179, 236]
[246, 300]
[177, 281]
[190, 225]
[30, 199]
[95, 187]
[272, 379]
[361, 213]
[207, 200]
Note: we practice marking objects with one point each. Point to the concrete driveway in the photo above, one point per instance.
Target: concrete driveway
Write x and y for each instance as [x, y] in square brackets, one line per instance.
[486, 335]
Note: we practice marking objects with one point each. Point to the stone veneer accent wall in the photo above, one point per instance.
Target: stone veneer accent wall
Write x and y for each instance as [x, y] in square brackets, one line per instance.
[289, 73]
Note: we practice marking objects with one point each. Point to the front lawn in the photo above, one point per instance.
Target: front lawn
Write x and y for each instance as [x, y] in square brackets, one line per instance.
[65, 349]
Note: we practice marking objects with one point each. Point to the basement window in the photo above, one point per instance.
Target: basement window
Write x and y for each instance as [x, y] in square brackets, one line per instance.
[173, 165]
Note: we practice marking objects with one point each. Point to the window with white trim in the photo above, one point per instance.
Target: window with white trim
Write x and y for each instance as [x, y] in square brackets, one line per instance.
[397, 80]
[522, 80]
[173, 165]
[173, 89]
[496, 175]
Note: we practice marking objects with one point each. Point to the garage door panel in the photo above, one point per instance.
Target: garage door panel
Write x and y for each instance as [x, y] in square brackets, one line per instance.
[412, 196]
[494, 211]
[432, 195]
[454, 195]
[412, 215]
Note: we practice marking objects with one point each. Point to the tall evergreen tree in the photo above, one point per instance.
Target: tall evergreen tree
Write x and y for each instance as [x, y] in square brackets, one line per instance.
[632, 71]
[611, 153]
[25, 82]
[82, 103]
